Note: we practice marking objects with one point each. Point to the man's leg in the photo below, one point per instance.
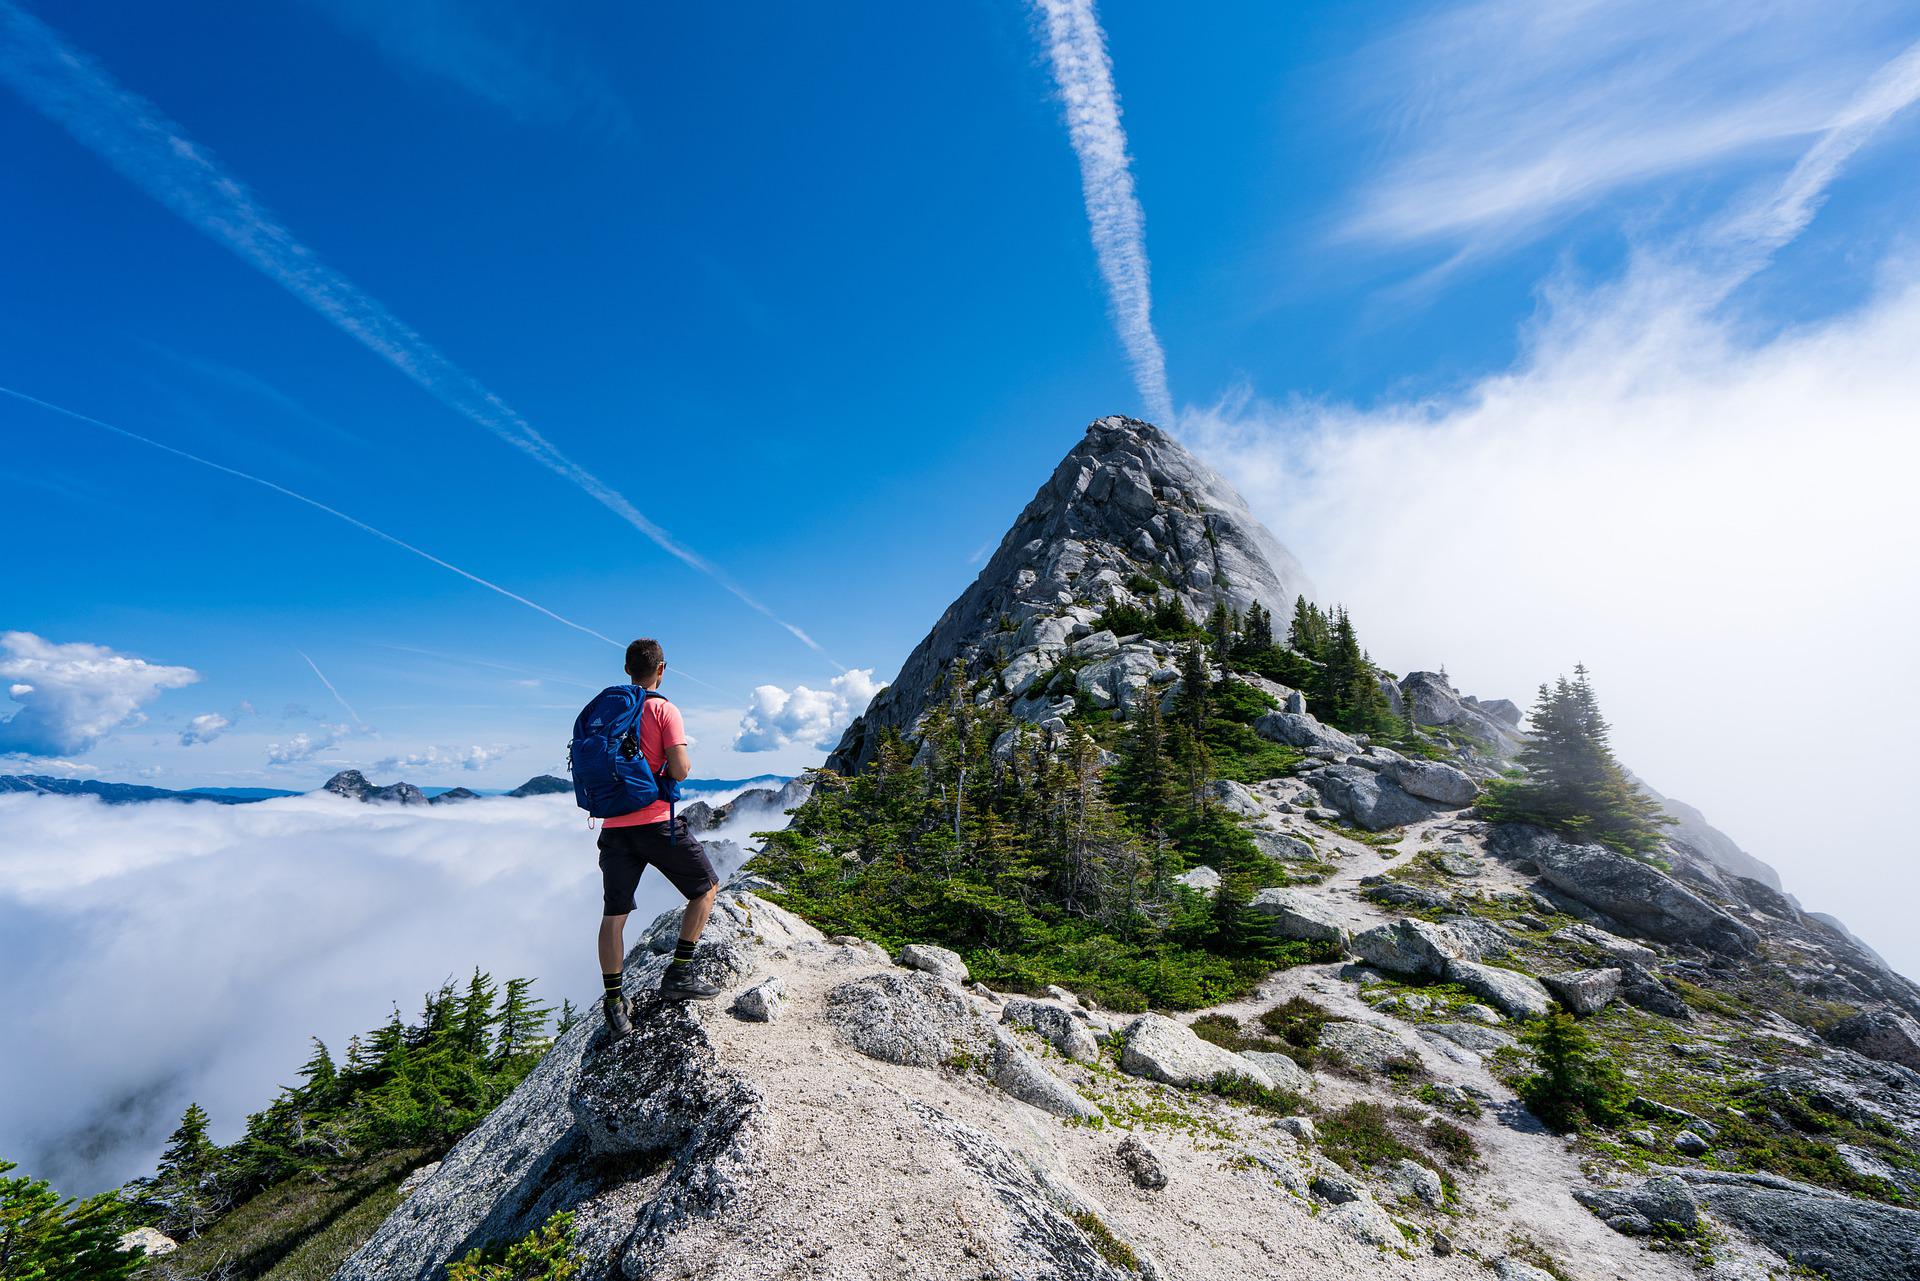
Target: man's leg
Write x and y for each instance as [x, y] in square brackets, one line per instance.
[683, 860]
[613, 943]
[619, 875]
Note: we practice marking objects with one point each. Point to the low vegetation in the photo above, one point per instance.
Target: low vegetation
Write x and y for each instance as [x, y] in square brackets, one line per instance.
[545, 1254]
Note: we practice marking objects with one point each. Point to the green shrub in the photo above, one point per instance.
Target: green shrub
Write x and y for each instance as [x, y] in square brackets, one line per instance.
[1239, 1089]
[1110, 1247]
[544, 1254]
[1576, 1083]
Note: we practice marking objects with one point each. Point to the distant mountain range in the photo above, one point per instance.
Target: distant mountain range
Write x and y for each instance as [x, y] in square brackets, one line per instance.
[351, 783]
[127, 793]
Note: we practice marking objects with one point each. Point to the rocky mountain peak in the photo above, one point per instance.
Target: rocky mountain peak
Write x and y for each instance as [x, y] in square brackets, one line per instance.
[353, 785]
[1128, 516]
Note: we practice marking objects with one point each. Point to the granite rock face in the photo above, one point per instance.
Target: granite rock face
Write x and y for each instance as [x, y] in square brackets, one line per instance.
[1644, 898]
[1127, 500]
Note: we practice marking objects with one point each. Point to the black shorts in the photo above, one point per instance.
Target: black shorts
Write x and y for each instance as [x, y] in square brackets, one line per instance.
[625, 852]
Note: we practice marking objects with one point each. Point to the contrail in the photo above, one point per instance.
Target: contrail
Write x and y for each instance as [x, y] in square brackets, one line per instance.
[1773, 222]
[331, 690]
[675, 669]
[314, 503]
[1077, 47]
[154, 153]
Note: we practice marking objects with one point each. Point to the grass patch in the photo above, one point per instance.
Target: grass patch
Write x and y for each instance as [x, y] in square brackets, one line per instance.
[1110, 1247]
[1366, 1135]
[302, 1228]
[1238, 1089]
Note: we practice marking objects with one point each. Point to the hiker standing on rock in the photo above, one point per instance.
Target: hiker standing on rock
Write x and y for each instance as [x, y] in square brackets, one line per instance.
[628, 755]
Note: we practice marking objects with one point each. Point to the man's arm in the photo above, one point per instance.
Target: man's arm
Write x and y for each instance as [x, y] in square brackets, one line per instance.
[678, 763]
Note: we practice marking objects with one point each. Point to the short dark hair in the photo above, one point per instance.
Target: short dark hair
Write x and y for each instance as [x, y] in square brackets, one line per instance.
[644, 658]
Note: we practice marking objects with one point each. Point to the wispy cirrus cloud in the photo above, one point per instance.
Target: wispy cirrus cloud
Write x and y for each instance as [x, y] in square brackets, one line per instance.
[499, 54]
[1077, 51]
[314, 503]
[1504, 115]
[154, 152]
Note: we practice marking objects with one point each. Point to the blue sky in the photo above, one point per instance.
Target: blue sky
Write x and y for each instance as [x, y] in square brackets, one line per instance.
[816, 295]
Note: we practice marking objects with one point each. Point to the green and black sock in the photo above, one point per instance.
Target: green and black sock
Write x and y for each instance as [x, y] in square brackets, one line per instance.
[683, 951]
[612, 984]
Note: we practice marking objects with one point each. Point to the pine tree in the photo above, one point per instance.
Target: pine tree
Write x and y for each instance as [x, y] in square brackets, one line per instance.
[1170, 617]
[185, 1182]
[43, 1238]
[568, 1016]
[1221, 625]
[1193, 706]
[473, 1016]
[1307, 634]
[522, 1022]
[1259, 632]
[1572, 783]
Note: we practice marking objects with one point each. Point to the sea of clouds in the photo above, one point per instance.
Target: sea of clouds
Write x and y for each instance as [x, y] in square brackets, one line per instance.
[157, 954]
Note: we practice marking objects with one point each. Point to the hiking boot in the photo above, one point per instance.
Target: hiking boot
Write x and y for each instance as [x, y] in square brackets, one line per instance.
[619, 1012]
[682, 984]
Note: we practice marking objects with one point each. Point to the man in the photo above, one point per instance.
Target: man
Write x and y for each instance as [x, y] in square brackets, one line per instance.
[632, 842]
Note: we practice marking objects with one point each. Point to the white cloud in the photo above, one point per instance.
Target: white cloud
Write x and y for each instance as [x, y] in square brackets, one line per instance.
[444, 758]
[1714, 515]
[73, 695]
[118, 910]
[1077, 50]
[304, 747]
[777, 718]
[1504, 114]
[204, 728]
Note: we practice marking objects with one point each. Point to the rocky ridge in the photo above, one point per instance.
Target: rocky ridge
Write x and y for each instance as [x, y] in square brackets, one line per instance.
[840, 1111]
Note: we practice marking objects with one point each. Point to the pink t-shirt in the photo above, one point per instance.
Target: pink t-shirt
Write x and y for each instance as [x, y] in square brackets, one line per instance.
[660, 728]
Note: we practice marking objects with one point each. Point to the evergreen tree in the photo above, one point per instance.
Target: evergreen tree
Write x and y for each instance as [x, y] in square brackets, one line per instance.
[1170, 617]
[1236, 928]
[473, 1016]
[1221, 626]
[1572, 783]
[1577, 1083]
[1307, 634]
[1193, 706]
[43, 1238]
[568, 1016]
[185, 1185]
[1259, 631]
[522, 1022]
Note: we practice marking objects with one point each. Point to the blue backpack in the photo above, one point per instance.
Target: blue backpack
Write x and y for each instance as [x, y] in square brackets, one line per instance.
[611, 776]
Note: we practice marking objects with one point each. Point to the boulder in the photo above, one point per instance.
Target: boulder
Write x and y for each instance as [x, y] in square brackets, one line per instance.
[1482, 937]
[1411, 948]
[1161, 1049]
[1202, 880]
[1518, 995]
[913, 1019]
[1027, 666]
[1508, 1268]
[1887, 1035]
[1141, 1163]
[1690, 1144]
[1370, 800]
[1025, 1078]
[1300, 1127]
[1432, 781]
[1295, 914]
[1640, 896]
[151, 1241]
[1366, 1223]
[1404, 894]
[858, 951]
[1584, 991]
[1055, 1024]
[1477, 1037]
[1432, 700]
[1122, 680]
[1286, 1074]
[1282, 847]
[1372, 1049]
[1297, 729]
[1613, 946]
[1411, 1180]
[1334, 1185]
[1095, 645]
[940, 962]
[762, 1002]
[1826, 1233]
[1235, 798]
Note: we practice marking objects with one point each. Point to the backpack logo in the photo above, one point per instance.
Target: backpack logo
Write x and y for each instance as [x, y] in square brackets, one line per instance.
[611, 775]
